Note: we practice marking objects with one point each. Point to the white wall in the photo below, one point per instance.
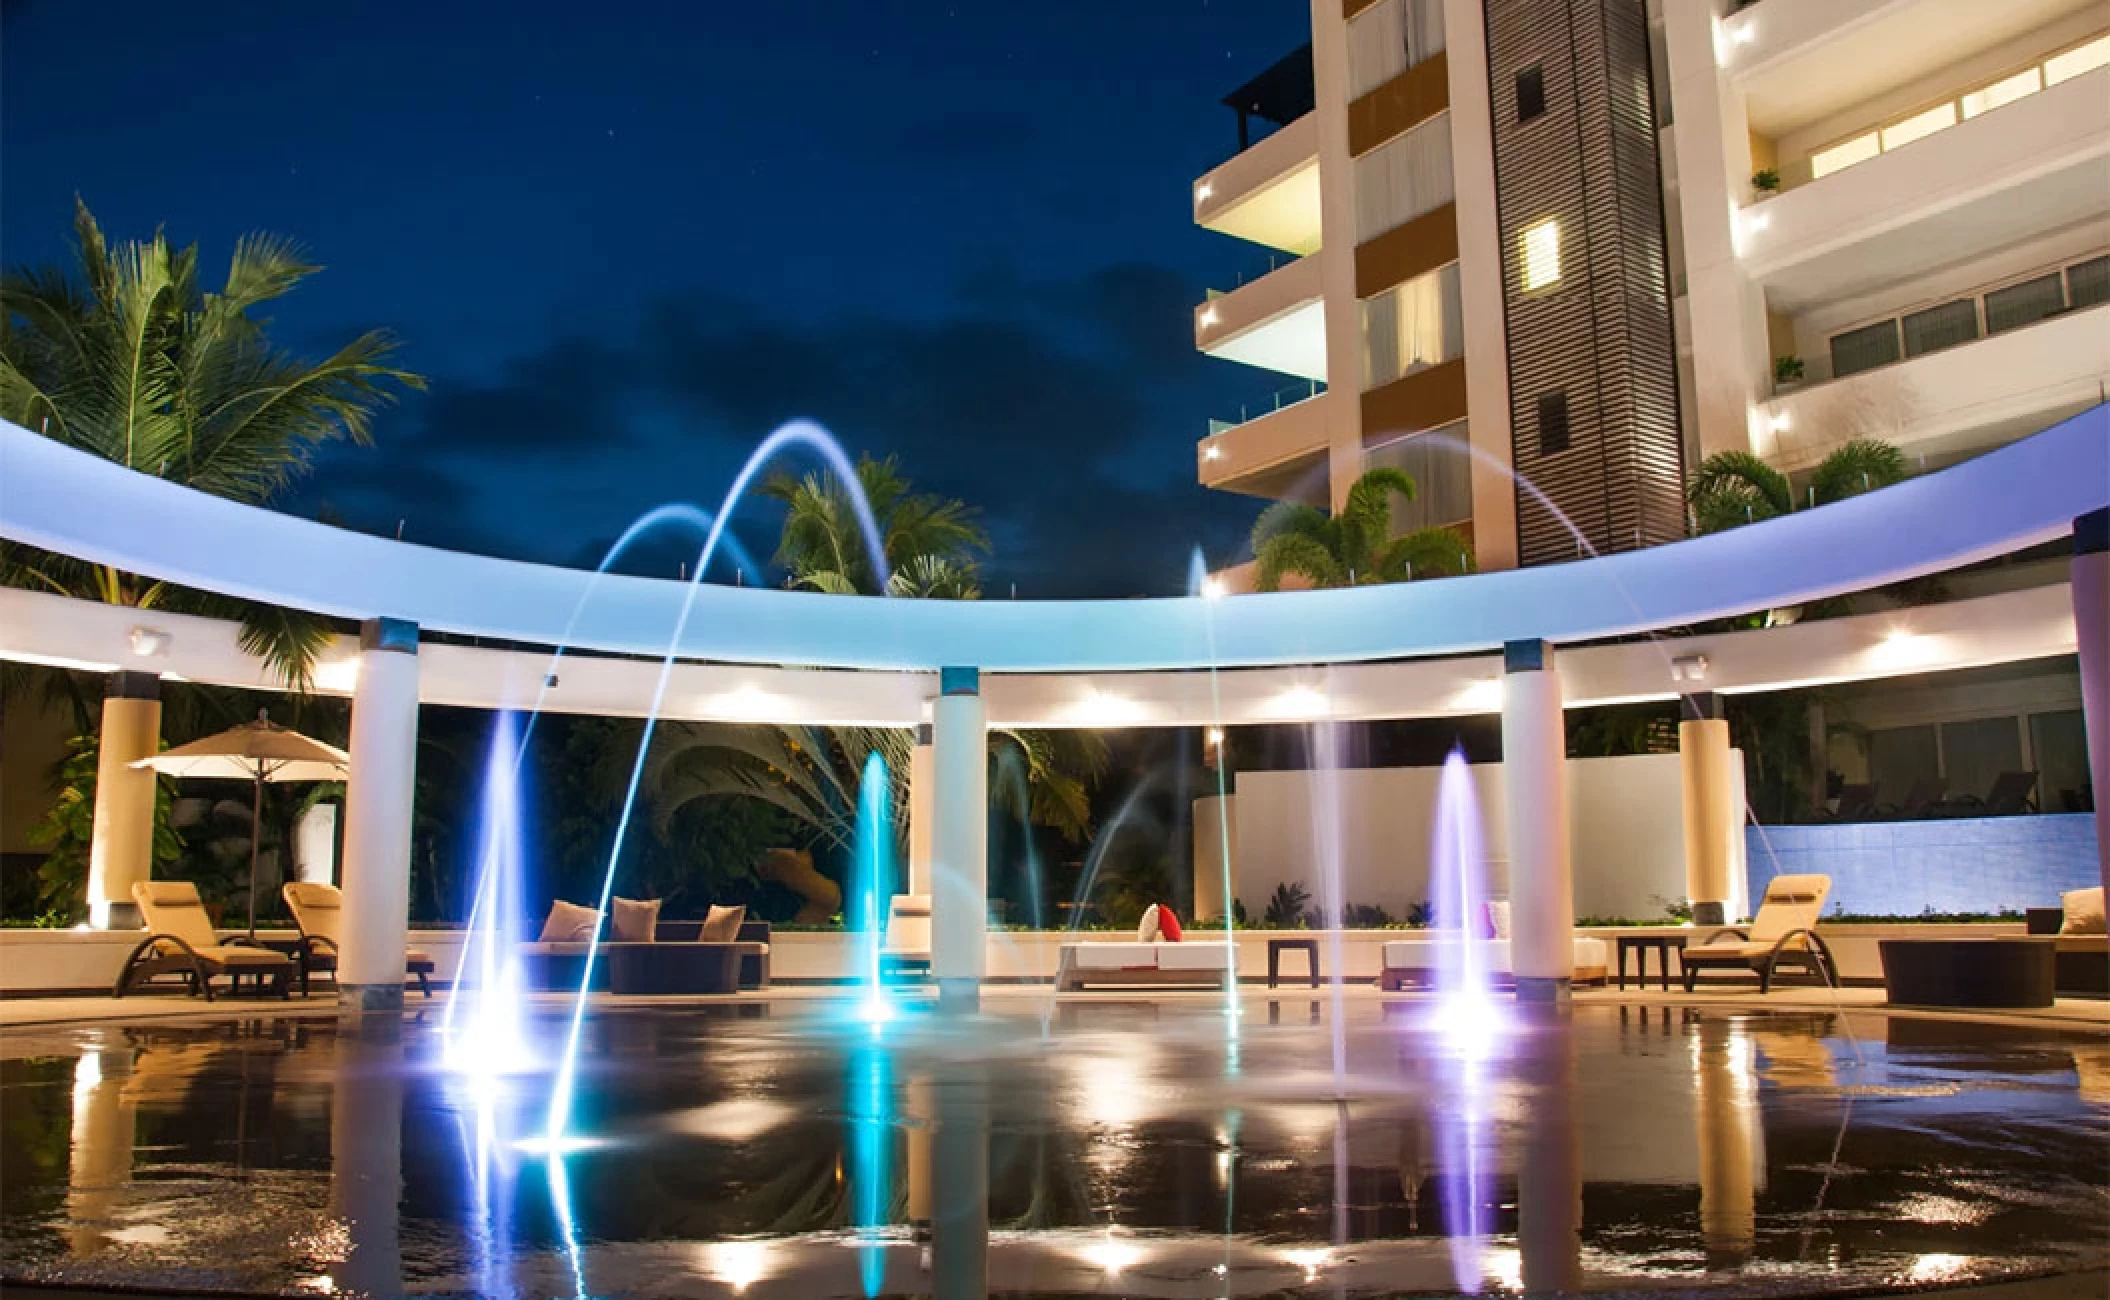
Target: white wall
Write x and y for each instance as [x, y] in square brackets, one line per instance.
[1628, 835]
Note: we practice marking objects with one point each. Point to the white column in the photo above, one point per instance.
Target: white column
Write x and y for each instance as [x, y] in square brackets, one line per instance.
[121, 847]
[922, 781]
[959, 837]
[377, 806]
[1713, 814]
[2091, 619]
[1535, 774]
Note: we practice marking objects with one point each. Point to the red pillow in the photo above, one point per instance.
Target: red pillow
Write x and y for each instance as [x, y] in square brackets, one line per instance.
[1168, 925]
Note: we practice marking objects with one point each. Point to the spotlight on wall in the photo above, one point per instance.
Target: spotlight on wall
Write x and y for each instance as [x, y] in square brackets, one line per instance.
[149, 642]
[1690, 669]
[1209, 317]
[1204, 192]
[1212, 452]
[1779, 422]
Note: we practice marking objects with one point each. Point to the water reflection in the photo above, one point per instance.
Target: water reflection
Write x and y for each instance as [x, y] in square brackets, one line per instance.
[798, 1156]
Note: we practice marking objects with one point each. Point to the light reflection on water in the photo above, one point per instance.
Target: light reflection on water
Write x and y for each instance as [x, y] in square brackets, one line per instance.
[780, 1149]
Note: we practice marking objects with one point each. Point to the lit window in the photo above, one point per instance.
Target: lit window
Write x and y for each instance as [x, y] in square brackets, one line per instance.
[2074, 62]
[1859, 149]
[2004, 91]
[1919, 126]
[1542, 254]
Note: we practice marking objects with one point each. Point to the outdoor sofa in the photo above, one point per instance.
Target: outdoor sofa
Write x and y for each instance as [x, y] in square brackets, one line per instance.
[723, 953]
[2081, 960]
[1157, 956]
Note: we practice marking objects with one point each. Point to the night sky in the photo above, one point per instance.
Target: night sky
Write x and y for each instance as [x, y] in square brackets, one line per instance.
[624, 240]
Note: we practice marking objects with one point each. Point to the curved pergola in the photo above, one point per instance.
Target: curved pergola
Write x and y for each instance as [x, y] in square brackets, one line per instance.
[2029, 492]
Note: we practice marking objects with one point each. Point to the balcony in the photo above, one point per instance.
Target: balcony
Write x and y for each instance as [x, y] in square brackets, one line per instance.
[1955, 402]
[1269, 193]
[1277, 322]
[1280, 453]
[1800, 61]
[2001, 177]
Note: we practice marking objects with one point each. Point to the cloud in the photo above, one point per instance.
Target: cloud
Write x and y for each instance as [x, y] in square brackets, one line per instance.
[1066, 411]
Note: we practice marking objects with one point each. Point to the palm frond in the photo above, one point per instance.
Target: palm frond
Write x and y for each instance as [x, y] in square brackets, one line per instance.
[1298, 553]
[1862, 465]
[1424, 553]
[1736, 487]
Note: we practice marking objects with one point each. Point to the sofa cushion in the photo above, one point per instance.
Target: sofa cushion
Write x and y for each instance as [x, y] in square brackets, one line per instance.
[722, 925]
[2084, 911]
[1114, 955]
[569, 923]
[1147, 928]
[1498, 917]
[1194, 956]
[1168, 925]
[632, 921]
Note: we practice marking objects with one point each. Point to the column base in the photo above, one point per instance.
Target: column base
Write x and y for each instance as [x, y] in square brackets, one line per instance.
[960, 995]
[1545, 990]
[370, 997]
[124, 916]
[1710, 913]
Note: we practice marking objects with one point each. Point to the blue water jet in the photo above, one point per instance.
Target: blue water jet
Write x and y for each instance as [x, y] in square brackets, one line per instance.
[872, 885]
[1466, 1015]
[871, 1142]
[482, 1029]
[797, 433]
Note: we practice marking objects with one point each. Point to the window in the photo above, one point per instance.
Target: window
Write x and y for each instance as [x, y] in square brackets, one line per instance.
[1531, 92]
[2005, 91]
[1941, 327]
[1975, 752]
[1542, 254]
[1388, 38]
[1442, 469]
[2074, 62]
[1404, 178]
[1864, 348]
[1413, 326]
[2088, 283]
[1919, 126]
[1553, 423]
[1900, 758]
[2023, 304]
[2058, 749]
[1859, 149]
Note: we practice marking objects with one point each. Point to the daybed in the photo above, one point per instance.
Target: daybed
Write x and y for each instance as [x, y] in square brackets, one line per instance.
[1156, 956]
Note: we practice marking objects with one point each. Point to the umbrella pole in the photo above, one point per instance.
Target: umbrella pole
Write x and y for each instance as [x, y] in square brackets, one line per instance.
[256, 836]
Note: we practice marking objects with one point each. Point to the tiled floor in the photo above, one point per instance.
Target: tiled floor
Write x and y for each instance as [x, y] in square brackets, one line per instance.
[20, 1012]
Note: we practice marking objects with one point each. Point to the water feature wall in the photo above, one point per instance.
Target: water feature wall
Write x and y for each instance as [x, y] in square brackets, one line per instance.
[1953, 864]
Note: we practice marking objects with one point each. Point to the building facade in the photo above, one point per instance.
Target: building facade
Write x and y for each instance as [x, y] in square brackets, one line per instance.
[1588, 243]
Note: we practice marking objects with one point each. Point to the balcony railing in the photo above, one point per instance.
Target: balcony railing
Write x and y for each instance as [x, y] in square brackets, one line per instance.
[1287, 395]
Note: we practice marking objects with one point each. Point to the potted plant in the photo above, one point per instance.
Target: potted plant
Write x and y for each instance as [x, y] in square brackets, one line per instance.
[1787, 372]
[1766, 180]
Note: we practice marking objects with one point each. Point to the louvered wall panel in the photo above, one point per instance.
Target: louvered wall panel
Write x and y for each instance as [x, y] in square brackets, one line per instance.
[1602, 333]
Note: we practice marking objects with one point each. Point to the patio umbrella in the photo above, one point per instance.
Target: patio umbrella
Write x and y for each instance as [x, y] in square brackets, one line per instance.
[257, 751]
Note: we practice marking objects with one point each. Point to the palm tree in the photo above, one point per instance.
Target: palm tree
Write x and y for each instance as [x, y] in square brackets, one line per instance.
[1356, 546]
[128, 358]
[931, 541]
[1733, 488]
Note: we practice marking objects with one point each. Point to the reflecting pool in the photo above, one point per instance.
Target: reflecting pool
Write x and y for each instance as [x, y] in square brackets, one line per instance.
[791, 1148]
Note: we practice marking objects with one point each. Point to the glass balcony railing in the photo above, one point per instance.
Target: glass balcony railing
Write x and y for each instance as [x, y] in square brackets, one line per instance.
[1287, 395]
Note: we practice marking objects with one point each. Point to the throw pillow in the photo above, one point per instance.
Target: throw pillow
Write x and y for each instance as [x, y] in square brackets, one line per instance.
[569, 923]
[1498, 917]
[2084, 911]
[634, 921]
[1147, 928]
[1168, 925]
[722, 925]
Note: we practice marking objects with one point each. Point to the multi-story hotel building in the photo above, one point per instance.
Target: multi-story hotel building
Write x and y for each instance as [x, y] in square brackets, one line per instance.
[1596, 241]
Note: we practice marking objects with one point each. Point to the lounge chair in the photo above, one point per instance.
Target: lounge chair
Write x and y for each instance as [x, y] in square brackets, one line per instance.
[317, 911]
[181, 941]
[2013, 794]
[1785, 930]
[1856, 803]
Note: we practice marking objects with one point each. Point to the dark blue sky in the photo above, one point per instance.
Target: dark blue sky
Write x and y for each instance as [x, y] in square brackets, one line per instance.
[624, 240]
